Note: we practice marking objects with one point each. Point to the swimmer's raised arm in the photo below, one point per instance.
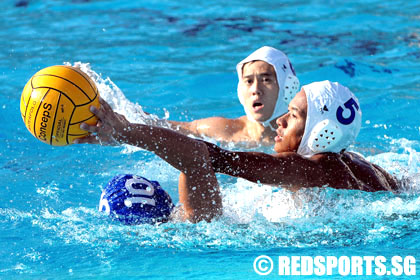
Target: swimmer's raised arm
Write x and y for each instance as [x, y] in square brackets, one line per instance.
[115, 129]
[310, 145]
[199, 161]
[288, 169]
[200, 198]
[187, 154]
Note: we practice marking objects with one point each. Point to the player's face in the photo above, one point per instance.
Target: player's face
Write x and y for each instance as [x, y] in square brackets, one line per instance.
[259, 88]
[291, 125]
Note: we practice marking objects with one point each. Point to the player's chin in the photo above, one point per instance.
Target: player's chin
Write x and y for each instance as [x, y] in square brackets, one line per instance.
[280, 147]
[260, 117]
[277, 147]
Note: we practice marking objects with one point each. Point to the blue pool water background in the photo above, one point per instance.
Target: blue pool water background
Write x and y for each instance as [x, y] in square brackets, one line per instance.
[177, 59]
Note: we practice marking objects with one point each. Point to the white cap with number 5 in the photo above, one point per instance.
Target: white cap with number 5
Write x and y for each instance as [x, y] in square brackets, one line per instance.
[333, 118]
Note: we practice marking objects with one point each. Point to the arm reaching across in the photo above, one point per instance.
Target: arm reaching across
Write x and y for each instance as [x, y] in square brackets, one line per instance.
[200, 198]
[304, 155]
[291, 170]
[199, 161]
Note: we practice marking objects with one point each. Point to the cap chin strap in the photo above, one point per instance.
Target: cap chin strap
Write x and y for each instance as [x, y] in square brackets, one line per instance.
[270, 126]
[324, 136]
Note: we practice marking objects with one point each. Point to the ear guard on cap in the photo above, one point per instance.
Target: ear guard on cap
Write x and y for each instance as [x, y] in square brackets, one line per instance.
[291, 88]
[324, 136]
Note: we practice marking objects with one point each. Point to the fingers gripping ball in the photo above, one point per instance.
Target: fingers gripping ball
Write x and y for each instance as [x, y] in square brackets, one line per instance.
[54, 103]
[135, 200]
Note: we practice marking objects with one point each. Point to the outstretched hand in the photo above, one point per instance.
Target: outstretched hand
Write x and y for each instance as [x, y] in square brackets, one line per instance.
[109, 128]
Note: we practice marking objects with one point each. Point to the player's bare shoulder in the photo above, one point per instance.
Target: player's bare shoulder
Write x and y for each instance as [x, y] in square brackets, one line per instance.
[351, 171]
[220, 128]
[221, 125]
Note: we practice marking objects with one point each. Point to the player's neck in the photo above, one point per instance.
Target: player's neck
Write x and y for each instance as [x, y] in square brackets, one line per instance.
[269, 131]
[258, 132]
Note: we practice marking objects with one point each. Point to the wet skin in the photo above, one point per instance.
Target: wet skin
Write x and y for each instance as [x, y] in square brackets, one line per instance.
[198, 161]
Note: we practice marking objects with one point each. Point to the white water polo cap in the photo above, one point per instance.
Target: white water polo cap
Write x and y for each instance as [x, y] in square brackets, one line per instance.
[286, 79]
[333, 119]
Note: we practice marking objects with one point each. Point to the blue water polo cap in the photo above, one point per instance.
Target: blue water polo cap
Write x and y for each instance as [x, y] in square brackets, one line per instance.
[133, 199]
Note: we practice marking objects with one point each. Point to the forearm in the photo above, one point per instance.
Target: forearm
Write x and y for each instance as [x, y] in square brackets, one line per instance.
[199, 192]
[182, 152]
[287, 169]
[238, 164]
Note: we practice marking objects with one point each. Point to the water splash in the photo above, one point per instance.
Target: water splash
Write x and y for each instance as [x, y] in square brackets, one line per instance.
[113, 95]
[324, 217]
[255, 216]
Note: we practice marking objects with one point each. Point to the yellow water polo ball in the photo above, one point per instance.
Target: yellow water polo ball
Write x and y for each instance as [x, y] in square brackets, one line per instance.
[54, 103]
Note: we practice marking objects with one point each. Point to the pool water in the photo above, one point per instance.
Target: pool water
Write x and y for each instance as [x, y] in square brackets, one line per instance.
[177, 60]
